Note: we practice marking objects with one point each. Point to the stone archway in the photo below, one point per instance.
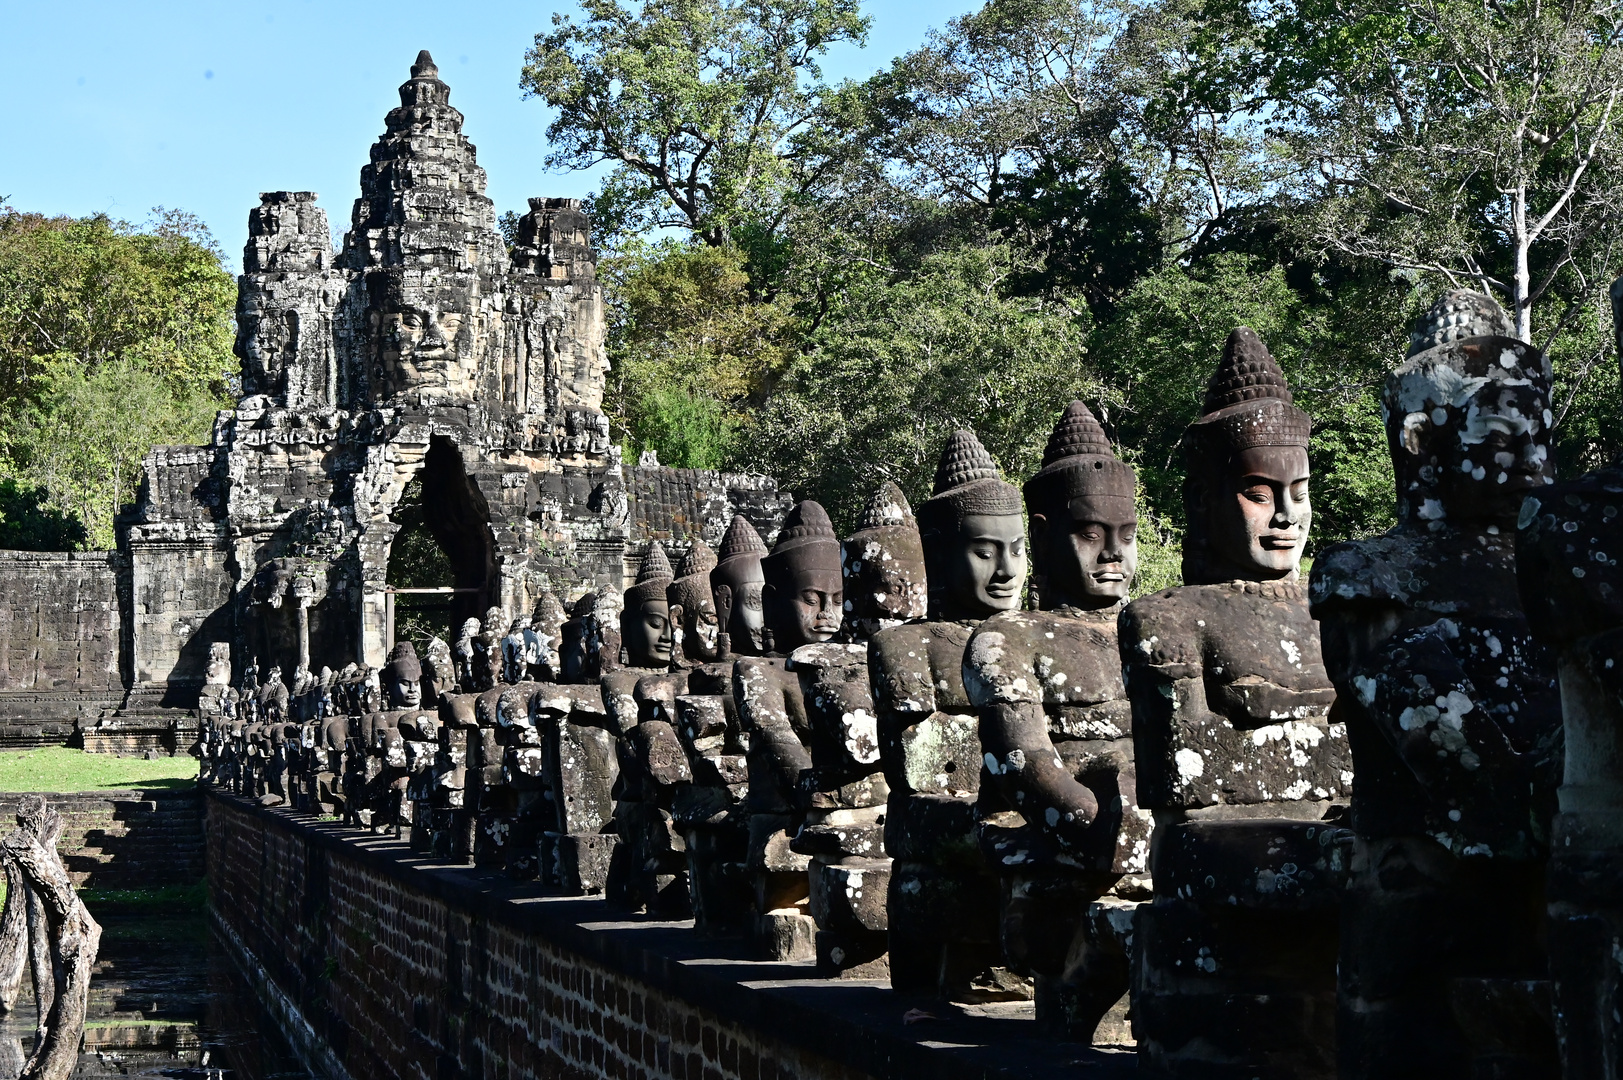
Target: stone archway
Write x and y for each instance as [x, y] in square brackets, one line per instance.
[444, 541]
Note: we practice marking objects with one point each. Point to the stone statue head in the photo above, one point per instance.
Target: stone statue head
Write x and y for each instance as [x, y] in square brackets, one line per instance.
[1084, 517]
[803, 592]
[693, 605]
[469, 631]
[735, 585]
[884, 566]
[645, 620]
[219, 669]
[1246, 488]
[1467, 418]
[973, 535]
[403, 677]
[576, 644]
[425, 333]
[493, 621]
[549, 615]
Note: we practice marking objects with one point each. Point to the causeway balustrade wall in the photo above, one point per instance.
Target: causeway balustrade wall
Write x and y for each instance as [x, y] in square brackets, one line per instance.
[390, 966]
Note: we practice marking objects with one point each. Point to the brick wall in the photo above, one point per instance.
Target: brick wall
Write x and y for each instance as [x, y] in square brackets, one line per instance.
[435, 973]
[127, 839]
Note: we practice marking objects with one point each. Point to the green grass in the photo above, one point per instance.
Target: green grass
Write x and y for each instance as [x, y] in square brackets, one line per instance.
[60, 769]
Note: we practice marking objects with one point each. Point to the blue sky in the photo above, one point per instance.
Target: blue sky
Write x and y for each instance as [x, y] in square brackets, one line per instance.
[119, 107]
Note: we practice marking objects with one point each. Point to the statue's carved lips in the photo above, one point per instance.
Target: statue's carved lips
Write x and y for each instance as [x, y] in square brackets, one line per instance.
[1279, 541]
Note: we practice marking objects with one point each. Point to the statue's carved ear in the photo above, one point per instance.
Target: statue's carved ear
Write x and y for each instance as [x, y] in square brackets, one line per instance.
[1038, 524]
[675, 615]
[723, 595]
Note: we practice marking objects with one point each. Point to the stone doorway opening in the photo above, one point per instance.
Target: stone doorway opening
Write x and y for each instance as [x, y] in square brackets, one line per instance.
[442, 561]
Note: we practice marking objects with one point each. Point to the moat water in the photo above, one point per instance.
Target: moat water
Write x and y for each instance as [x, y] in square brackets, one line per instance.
[166, 1000]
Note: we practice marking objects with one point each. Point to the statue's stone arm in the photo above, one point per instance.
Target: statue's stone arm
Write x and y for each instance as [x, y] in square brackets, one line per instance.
[1165, 678]
[763, 710]
[1418, 695]
[1019, 753]
[1020, 759]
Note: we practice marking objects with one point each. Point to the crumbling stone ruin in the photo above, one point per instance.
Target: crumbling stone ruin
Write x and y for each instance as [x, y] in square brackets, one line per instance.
[424, 352]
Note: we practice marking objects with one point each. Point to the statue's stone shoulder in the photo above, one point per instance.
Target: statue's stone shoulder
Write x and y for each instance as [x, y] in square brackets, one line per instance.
[1165, 629]
[918, 667]
[1379, 570]
[1043, 657]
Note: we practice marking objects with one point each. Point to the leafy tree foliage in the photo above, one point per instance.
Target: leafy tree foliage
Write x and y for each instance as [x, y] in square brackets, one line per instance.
[1058, 198]
[693, 350]
[113, 338]
[27, 524]
[699, 104]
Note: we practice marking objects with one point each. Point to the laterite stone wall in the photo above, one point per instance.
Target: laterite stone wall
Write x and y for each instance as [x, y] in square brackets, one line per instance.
[401, 969]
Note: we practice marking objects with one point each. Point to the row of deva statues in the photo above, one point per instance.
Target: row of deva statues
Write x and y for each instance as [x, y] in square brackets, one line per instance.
[1366, 826]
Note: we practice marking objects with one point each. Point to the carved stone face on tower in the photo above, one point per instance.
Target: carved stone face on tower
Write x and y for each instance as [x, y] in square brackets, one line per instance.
[802, 598]
[1084, 518]
[1246, 495]
[973, 535]
[427, 340]
[645, 621]
[1468, 417]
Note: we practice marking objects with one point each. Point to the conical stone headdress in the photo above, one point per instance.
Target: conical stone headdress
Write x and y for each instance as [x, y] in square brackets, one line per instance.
[966, 482]
[652, 580]
[692, 588]
[740, 557]
[1078, 463]
[403, 662]
[807, 540]
[1247, 405]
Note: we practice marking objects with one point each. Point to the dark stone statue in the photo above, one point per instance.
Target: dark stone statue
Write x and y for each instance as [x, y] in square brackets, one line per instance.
[1453, 716]
[547, 622]
[1236, 754]
[735, 584]
[801, 604]
[943, 896]
[645, 620]
[693, 608]
[1059, 818]
[402, 677]
[650, 865]
[1567, 539]
[884, 566]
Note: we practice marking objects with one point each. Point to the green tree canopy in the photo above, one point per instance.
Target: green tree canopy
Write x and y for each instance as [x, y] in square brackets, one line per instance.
[113, 338]
[697, 102]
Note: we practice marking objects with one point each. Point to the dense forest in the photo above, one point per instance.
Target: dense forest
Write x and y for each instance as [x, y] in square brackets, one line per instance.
[1048, 199]
[1081, 198]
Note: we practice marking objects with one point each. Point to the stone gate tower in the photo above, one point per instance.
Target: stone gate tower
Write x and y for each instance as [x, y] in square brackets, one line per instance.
[424, 347]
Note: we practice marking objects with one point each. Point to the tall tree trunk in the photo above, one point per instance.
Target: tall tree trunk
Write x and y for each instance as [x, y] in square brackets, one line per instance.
[1522, 284]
